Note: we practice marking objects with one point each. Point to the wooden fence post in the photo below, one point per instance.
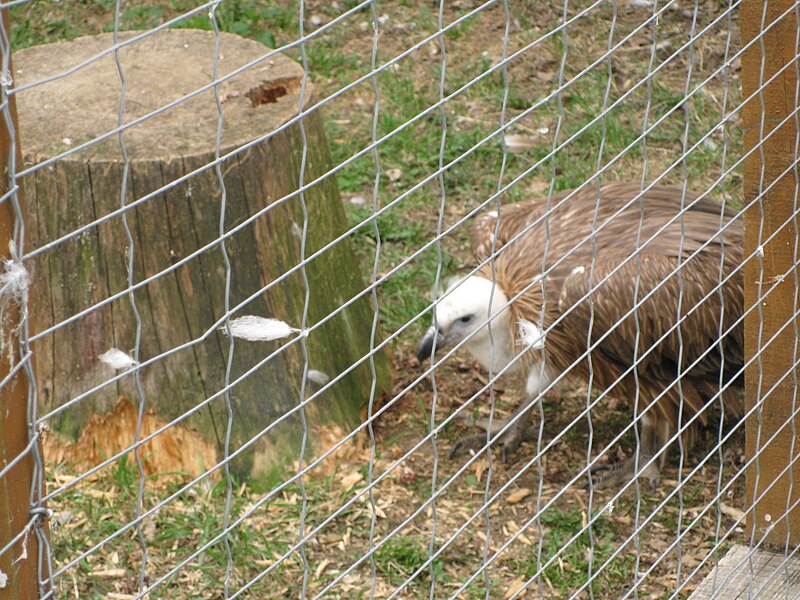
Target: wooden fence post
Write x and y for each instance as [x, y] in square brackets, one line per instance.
[19, 565]
[769, 173]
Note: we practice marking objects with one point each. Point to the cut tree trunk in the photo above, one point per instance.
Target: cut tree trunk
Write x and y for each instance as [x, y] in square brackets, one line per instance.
[180, 311]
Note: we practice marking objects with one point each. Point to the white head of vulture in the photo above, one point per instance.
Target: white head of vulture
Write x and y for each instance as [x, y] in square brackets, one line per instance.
[464, 313]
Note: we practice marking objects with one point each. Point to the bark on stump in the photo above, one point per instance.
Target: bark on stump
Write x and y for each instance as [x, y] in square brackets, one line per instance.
[183, 305]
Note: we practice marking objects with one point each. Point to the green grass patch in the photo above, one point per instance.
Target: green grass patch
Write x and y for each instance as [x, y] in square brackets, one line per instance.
[572, 570]
[402, 556]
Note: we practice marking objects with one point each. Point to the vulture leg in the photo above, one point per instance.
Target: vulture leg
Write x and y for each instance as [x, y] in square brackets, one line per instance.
[652, 444]
[518, 431]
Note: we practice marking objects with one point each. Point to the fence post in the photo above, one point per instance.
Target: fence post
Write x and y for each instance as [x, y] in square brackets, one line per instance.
[768, 172]
[19, 565]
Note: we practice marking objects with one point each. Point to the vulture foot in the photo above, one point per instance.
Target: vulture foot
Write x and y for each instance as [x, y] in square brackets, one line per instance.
[619, 473]
[509, 441]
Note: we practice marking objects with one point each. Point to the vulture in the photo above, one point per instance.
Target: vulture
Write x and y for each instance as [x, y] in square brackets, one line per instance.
[593, 271]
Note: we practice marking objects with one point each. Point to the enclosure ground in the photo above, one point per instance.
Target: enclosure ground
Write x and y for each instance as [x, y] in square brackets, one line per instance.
[99, 507]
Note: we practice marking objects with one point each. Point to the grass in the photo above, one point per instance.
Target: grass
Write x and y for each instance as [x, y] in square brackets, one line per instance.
[411, 153]
[571, 570]
[403, 556]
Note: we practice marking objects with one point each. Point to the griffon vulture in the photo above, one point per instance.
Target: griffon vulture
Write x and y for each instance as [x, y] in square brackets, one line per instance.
[679, 270]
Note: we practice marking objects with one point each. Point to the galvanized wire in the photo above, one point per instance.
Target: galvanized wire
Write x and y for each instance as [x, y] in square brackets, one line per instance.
[376, 187]
[149, 582]
[449, 230]
[451, 352]
[384, 408]
[131, 257]
[223, 201]
[404, 262]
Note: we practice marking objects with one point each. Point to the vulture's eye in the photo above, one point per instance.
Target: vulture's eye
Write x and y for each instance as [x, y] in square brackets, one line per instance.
[466, 319]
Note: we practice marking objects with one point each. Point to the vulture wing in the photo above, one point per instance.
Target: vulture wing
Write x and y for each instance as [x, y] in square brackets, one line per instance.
[487, 236]
[513, 219]
[692, 291]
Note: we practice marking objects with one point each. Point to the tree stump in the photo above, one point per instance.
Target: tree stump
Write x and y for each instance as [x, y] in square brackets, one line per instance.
[184, 304]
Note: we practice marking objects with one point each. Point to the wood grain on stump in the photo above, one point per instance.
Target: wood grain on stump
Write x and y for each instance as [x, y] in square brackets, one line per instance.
[183, 305]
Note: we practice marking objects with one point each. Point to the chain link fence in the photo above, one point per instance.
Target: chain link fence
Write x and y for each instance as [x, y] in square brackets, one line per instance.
[399, 299]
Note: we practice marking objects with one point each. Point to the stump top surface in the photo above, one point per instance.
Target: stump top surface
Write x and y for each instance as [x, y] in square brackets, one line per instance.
[163, 67]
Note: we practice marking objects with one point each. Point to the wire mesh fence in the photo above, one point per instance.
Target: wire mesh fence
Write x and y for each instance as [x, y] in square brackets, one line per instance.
[398, 300]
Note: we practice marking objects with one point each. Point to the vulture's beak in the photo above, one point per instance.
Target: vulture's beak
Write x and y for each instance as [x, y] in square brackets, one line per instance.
[426, 343]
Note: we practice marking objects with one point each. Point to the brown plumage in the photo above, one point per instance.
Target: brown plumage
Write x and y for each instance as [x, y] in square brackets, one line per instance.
[555, 302]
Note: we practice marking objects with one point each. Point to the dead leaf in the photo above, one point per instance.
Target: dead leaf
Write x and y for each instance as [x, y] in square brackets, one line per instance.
[149, 529]
[479, 468]
[321, 568]
[732, 512]
[353, 451]
[351, 479]
[109, 573]
[406, 475]
[515, 587]
[518, 496]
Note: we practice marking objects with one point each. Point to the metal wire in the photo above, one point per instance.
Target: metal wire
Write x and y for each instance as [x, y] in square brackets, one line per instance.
[131, 257]
[514, 182]
[436, 282]
[451, 352]
[444, 179]
[382, 211]
[212, 15]
[414, 255]
[376, 186]
[389, 470]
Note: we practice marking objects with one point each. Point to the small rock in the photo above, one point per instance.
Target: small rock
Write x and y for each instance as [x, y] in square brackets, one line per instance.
[363, 26]
[62, 518]
[394, 174]
[383, 19]
[358, 200]
[406, 475]
[316, 20]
